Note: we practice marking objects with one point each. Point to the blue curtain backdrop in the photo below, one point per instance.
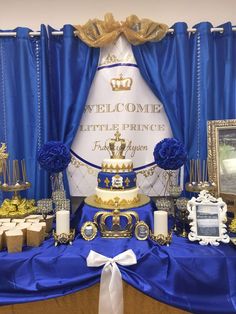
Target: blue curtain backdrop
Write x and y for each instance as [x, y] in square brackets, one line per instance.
[165, 66]
[26, 120]
[194, 77]
[213, 80]
[73, 66]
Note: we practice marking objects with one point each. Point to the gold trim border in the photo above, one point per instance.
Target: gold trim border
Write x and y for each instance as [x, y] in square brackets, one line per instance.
[143, 200]
[122, 189]
[94, 227]
[137, 225]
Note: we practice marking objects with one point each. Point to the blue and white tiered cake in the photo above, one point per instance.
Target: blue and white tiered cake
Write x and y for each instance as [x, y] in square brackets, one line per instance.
[117, 180]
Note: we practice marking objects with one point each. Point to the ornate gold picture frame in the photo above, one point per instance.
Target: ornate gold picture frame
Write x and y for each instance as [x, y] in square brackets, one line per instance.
[222, 156]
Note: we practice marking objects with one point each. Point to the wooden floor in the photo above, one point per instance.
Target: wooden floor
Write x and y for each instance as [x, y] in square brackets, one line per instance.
[86, 302]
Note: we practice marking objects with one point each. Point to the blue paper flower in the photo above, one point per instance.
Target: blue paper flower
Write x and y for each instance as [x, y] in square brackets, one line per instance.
[54, 156]
[169, 154]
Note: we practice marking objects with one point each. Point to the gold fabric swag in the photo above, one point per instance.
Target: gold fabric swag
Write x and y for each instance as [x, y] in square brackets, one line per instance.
[98, 33]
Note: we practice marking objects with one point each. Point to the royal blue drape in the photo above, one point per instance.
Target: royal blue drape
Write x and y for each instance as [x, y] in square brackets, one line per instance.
[25, 118]
[213, 80]
[194, 78]
[165, 66]
[73, 66]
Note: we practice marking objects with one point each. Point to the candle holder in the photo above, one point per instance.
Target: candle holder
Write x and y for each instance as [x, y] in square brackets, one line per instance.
[161, 239]
[58, 195]
[63, 204]
[164, 203]
[64, 238]
[15, 181]
[183, 213]
[175, 192]
[44, 206]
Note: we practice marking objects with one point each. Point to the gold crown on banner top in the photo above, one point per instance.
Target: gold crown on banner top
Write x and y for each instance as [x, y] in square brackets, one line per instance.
[116, 146]
[109, 223]
[121, 83]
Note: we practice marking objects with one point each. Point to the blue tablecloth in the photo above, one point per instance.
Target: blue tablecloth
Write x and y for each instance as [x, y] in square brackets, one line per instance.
[187, 275]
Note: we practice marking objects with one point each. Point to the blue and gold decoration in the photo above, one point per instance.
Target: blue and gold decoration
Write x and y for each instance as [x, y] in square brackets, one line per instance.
[116, 146]
[107, 180]
[115, 224]
[14, 179]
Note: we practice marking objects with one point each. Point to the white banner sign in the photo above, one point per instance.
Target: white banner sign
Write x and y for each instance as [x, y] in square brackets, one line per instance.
[119, 99]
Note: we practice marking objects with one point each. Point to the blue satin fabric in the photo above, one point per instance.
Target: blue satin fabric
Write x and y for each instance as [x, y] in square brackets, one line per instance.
[25, 109]
[194, 77]
[165, 66]
[73, 66]
[213, 80]
[187, 275]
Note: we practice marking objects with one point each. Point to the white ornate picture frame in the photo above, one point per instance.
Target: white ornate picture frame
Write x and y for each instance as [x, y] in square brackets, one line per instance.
[208, 217]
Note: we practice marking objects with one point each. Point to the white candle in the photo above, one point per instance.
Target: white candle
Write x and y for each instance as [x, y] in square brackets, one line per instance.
[63, 222]
[160, 222]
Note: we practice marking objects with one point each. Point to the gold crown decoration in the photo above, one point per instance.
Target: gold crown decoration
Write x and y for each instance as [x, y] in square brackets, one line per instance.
[117, 168]
[101, 219]
[121, 84]
[116, 146]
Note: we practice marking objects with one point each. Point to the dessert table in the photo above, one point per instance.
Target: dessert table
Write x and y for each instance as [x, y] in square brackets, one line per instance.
[186, 275]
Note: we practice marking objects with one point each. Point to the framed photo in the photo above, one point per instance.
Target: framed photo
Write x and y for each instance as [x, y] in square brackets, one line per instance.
[222, 156]
[208, 217]
[89, 230]
[141, 230]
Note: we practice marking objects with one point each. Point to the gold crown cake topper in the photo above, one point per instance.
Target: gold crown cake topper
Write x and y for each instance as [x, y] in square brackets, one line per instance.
[121, 83]
[116, 146]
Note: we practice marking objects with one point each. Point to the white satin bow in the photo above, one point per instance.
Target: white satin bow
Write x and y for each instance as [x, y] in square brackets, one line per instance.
[111, 289]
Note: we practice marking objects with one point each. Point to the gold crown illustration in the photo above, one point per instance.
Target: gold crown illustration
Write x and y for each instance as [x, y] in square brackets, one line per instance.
[109, 223]
[121, 84]
[116, 146]
[110, 59]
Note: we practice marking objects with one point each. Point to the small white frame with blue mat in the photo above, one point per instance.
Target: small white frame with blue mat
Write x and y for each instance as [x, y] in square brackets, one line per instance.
[208, 217]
